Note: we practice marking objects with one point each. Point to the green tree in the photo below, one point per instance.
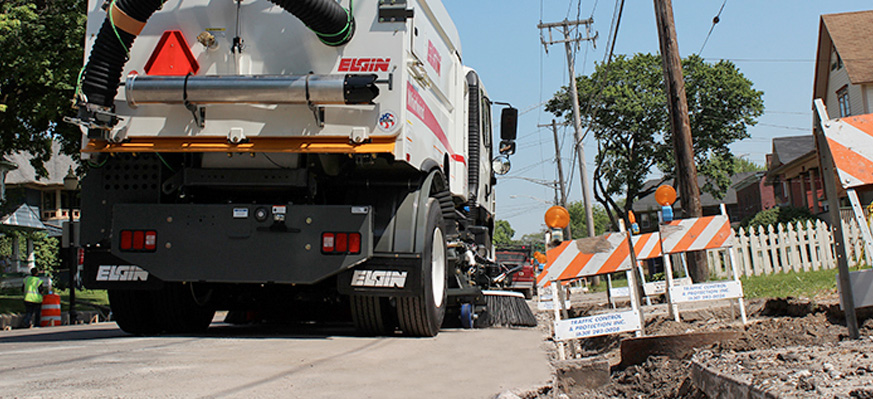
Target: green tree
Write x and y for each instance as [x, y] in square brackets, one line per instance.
[742, 165]
[45, 249]
[503, 233]
[629, 120]
[42, 44]
[578, 223]
[537, 241]
[778, 215]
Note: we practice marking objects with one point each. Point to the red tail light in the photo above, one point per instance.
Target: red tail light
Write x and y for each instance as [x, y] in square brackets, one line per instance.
[151, 240]
[355, 243]
[341, 243]
[126, 240]
[138, 240]
[327, 242]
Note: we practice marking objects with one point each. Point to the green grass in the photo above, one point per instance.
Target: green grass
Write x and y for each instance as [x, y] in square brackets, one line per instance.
[803, 284]
[794, 284]
[12, 302]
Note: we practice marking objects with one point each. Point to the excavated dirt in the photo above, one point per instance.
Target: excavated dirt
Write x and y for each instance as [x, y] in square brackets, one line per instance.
[806, 339]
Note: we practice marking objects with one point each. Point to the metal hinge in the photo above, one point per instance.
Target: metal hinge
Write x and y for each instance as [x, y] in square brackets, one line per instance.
[394, 11]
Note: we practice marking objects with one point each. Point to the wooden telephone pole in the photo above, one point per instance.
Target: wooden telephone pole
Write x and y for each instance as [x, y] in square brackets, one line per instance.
[577, 121]
[686, 170]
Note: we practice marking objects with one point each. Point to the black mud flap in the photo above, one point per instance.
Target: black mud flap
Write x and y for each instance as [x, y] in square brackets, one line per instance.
[102, 270]
[383, 276]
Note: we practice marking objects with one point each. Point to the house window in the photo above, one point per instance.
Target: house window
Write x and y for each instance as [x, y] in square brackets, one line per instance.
[48, 200]
[843, 99]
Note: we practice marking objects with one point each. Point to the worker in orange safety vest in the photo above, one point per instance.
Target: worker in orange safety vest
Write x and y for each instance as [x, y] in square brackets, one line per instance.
[32, 298]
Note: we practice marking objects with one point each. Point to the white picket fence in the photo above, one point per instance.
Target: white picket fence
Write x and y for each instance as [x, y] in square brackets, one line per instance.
[793, 247]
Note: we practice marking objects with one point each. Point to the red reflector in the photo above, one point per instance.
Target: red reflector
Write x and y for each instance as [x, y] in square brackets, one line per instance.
[355, 243]
[342, 242]
[126, 239]
[151, 239]
[172, 56]
[327, 242]
[138, 240]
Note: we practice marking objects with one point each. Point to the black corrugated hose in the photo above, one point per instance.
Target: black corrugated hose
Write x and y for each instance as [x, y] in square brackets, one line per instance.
[332, 24]
[110, 52]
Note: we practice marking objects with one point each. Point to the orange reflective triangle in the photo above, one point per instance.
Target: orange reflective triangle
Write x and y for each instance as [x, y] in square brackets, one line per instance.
[172, 56]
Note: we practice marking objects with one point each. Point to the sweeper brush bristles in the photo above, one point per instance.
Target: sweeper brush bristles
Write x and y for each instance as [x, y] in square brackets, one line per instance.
[508, 309]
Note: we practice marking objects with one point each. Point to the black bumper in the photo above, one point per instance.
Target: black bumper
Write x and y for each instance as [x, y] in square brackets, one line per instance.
[229, 244]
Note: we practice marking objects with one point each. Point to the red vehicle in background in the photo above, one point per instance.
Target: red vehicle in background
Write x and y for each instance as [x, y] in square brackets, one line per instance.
[522, 280]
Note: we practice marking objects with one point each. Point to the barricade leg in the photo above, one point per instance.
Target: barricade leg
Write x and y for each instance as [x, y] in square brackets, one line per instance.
[732, 256]
[555, 299]
[672, 307]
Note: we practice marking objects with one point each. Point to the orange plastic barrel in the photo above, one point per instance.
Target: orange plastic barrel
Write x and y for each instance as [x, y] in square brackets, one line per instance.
[51, 311]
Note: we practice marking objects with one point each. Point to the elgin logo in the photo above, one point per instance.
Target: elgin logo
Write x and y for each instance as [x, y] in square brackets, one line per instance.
[364, 65]
[122, 273]
[379, 278]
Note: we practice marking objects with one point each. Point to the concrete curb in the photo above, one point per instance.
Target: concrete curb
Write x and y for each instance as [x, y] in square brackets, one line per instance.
[721, 386]
[13, 321]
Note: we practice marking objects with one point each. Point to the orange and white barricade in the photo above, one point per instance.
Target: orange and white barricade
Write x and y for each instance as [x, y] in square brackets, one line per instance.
[847, 146]
[608, 253]
[605, 254]
[698, 234]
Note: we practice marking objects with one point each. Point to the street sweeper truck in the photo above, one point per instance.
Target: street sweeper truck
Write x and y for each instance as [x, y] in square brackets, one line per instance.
[299, 158]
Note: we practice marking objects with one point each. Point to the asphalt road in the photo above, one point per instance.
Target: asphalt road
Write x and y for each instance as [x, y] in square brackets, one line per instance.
[99, 360]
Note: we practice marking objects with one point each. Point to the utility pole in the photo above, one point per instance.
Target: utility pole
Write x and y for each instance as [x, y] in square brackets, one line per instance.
[686, 170]
[577, 120]
[567, 231]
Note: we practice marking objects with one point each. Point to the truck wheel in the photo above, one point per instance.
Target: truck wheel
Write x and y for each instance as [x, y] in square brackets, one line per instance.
[422, 315]
[528, 293]
[180, 312]
[368, 314]
[133, 311]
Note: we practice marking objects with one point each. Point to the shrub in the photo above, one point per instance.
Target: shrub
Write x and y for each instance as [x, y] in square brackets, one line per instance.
[778, 215]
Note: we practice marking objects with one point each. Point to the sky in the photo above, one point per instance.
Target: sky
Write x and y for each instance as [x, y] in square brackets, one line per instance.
[772, 42]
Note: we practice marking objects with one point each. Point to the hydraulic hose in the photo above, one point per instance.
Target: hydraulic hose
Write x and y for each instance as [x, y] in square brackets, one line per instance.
[332, 24]
[124, 21]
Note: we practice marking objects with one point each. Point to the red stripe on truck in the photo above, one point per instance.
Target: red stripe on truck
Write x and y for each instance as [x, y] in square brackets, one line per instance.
[416, 105]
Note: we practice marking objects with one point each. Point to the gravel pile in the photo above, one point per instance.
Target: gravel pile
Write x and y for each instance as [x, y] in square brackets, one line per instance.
[831, 370]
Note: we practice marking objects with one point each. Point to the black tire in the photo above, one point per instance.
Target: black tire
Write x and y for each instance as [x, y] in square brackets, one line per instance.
[528, 293]
[369, 314]
[423, 314]
[133, 311]
[180, 311]
[171, 309]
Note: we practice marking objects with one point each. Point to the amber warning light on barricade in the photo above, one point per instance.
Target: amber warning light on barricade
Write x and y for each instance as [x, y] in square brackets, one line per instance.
[635, 228]
[557, 217]
[666, 196]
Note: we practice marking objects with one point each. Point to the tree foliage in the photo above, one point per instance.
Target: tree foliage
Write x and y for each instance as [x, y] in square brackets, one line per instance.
[742, 165]
[629, 119]
[42, 44]
[778, 215]
[578, 221]
[503, 233]
[45, 249]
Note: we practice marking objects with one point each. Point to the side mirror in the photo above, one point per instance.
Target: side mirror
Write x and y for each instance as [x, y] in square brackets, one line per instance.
[500, 165]
[508, 124]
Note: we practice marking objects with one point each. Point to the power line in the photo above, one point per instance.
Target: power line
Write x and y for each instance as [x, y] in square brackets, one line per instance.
[715, 20]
